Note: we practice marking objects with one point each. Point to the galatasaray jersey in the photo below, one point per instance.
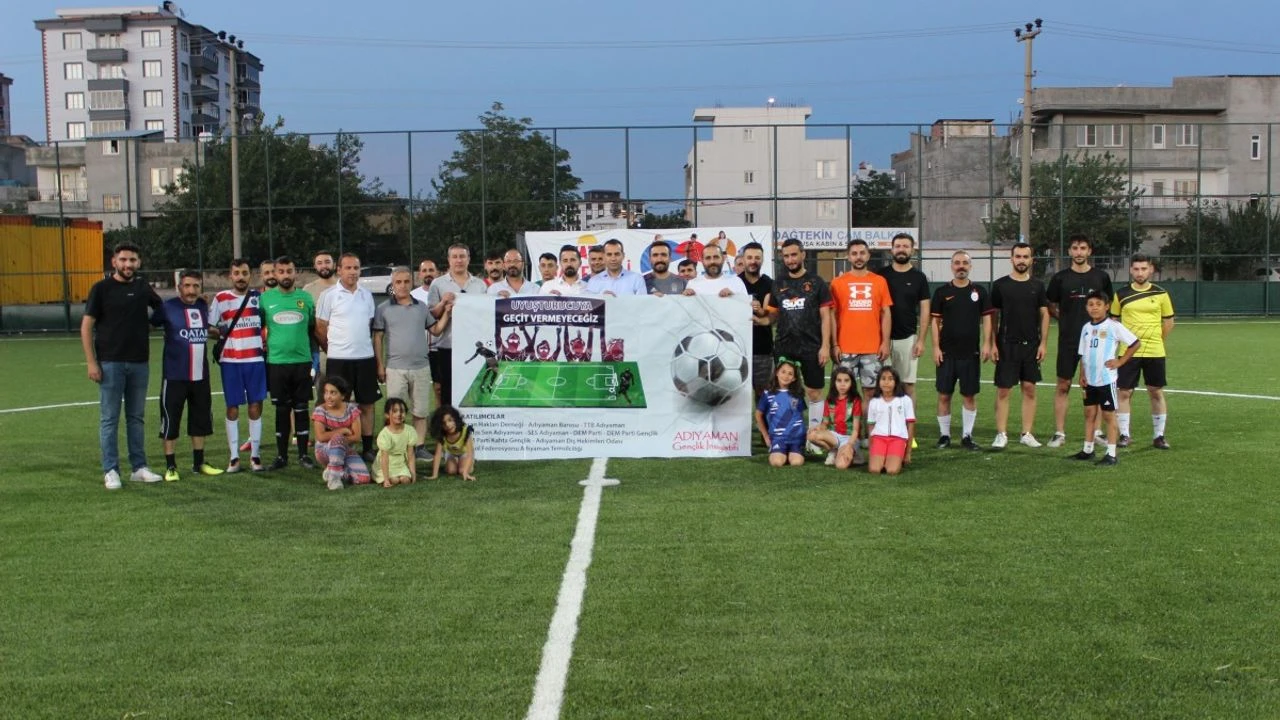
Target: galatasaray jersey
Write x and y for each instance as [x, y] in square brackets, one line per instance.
[1143, 312]
[1100, 342]
[244, 344]
[185, 336]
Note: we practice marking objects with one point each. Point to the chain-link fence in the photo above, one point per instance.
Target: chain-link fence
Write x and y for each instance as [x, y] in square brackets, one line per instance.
[1197, 197]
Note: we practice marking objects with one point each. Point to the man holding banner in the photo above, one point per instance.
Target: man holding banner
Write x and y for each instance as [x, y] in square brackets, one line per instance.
[615, 280]
[569, 282]
[443, 292]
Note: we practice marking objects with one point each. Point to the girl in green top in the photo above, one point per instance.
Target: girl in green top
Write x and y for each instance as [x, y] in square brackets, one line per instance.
[453, 444]
[395, 464]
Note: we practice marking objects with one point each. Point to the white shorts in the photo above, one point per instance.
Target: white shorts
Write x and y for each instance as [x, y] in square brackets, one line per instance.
[841, 440]
[413, 387]
[902, 359]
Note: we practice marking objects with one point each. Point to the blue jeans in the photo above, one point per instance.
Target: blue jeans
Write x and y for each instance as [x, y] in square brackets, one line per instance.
[127, 383]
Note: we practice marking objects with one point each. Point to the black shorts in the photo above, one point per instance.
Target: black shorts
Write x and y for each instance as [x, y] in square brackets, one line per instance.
[1068, 358]
[445, 376]
[1103, 396]
[196, 397]
[361, 375]
[289, 384]
[812, 373]
[963, 369]
[433, 361]
[1017, 364]
[1151, 368]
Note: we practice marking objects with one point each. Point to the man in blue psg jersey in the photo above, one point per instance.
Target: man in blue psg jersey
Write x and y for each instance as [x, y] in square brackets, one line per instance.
[185, 379]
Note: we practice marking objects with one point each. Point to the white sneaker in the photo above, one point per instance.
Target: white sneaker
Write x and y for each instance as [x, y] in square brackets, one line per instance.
[831, 458]
[1099, 437]
[111, 480]
[1029, 440]
[1000, 442]
[333, 479]
[144, 475]
[1057, 440]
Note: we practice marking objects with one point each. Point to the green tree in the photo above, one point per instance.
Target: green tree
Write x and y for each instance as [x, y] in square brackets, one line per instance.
[502, 180]
[878, 202]
[317, 196]
[673, 219]
[1232, 237]
[1087, 193]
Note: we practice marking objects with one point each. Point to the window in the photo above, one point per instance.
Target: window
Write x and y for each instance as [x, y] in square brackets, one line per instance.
[110, 147]
[1186, 135]
[749, 177]
[186, 73]
[153, 98]
[73, 71]
[75, 131]
[1185, 189]
[186, 129]
[150, 68]
[1157, 188]
[1157, 137]
[826, 169]
[184, 43]
[1087, 136]
[71, 41]
[102, 127]
[109, 40]
[176, 177]
[159, 179]
[826, 209]
[111, 203]
[1255, 147]
[155, 125]
[186, 101]
[75, 101]
[748, 218]
[150, 38]
[1114, 136]
[106, 100]
[748, 134]
[114, 71]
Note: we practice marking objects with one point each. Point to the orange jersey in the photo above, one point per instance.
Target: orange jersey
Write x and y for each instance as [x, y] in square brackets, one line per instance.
[859, 302]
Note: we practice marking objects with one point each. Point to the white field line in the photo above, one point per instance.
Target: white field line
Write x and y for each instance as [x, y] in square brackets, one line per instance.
[548, 690]
[1168, 391]
[87, 403]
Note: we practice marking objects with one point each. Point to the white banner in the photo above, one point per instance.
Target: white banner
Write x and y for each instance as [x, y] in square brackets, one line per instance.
[581, 377]
[636, 244]
[877, 238]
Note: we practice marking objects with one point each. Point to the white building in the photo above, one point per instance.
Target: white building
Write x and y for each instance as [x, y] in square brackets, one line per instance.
[116, 69]
[757, 153]
[607, 210]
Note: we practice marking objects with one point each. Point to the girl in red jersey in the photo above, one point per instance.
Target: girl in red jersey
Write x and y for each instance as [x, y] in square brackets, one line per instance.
[841, 420]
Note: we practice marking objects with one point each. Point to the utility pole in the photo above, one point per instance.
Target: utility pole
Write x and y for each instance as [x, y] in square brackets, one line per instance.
[235, 142]
[1026, 34]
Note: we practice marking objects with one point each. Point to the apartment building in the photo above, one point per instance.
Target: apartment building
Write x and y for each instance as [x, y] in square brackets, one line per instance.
[142, 68]
[607, 210]
[757, 153]
[953, 172]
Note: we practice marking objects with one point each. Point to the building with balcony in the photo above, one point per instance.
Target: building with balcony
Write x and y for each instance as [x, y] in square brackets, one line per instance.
[755, 154]
[953, 172]
[607, 210]
[142, 68]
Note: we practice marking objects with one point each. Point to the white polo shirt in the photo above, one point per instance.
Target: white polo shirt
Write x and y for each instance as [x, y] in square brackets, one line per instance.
[703, 285]
[526, 288]
[349, 314]
[564, 288]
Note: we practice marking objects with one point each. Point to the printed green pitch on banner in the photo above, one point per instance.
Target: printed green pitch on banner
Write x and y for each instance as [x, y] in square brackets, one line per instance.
[558, 385]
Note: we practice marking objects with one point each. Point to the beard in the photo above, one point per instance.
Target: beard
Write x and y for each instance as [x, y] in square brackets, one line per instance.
[514, 272]
[712, 271]
[902, 259]
[570, 271]
[325, 273]
[240, 286]
[859, 264]
[1021, 267]
[270, 282]
[661, 267]
[286, 284]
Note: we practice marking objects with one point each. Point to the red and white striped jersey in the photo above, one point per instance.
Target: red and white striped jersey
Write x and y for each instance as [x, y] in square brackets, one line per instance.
[244, 345]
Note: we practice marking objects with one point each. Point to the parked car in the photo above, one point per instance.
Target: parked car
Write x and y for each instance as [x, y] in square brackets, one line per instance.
[1262, 274]
[376, 279]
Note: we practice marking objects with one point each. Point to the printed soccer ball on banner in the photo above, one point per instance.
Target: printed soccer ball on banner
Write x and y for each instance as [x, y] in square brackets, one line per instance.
[709, 366]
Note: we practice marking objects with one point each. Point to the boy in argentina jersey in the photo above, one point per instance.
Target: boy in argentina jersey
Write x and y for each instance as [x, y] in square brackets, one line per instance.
[185, 379]
[1100, 340]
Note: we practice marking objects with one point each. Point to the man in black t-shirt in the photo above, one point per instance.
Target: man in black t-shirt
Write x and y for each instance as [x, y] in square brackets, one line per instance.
[909, 313]
[801, 307]
[1019, 345]
[759, 287]
[1067, 293]
[961, 312]
[115, 335]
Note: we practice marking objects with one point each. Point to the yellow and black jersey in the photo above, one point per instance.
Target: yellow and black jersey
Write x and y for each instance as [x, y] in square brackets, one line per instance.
[1143, 312]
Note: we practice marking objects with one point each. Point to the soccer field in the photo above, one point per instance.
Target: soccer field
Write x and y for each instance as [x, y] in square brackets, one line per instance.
[558, 385]
[1010, 584]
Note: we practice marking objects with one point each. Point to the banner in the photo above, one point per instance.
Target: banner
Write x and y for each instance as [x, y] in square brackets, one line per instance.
[542, 377]
[877, 238]
[635, 244]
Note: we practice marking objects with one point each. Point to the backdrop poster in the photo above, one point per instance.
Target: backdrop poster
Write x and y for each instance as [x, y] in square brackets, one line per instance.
[542, 377]
[635, 244]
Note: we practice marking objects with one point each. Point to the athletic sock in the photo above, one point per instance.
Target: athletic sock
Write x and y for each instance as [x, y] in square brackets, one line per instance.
[815, 414]
[1111, 450]
[233, 437]
[1157, 422]
[300, 430]
[366, 443]
[944, 425]
[282, 431]
[255, 439]
[970, 419]
[171, 460]
[1088, 447]
[198, 457]
[1122, 419]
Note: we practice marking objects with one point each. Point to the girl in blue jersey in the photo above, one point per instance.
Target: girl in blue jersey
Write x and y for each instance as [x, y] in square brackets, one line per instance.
[780, 416]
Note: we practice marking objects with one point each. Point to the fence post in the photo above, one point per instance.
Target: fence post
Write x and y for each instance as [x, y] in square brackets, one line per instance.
[695, 178]
[62, 236]
[271, 240]
[775, 177]
[1266, 246]
[412, 256]
[338, 146]
[1199, 214]
[484, 208]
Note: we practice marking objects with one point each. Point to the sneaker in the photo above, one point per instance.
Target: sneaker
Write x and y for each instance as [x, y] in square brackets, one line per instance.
[281, 462]
[306, 463]
[171, 475]
[1160, 443]
[1082, 455]
[831, 458]
[1057, 440]
[206, 469]
[1000, 442]
[333, 479]
[255, 464]
[246, 446]
[233, 466]
[111, 480]
[944, 442]
[812, 449]
[144, 475]
[1124, 441]
[1099, 436]
[421, 454]
[1108, 460]
[1029, 440]
[967, 443]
